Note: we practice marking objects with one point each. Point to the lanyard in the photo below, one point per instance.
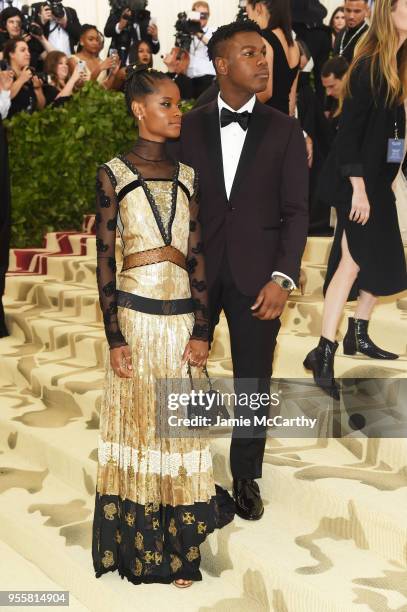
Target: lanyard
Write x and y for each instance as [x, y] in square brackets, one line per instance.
[343, 48]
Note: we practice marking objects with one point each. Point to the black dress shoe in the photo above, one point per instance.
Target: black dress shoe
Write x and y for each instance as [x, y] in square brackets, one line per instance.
[357, 340]
[249, 504]
[321, 362]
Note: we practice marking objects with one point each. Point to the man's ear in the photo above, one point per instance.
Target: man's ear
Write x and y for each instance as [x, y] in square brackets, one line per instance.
[221, 66]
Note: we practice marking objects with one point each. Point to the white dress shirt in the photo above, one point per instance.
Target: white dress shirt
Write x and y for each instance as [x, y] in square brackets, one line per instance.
[59, 38]
[5, 103]
[200, 64]
[232, 140]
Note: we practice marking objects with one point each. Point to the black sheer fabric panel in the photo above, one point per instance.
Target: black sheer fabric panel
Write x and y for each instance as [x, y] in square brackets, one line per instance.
[106, 221]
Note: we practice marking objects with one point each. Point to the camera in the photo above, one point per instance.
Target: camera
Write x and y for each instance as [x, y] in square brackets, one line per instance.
[29, 26]
[56, 7]
[242, 14]
[186, 27]
[137, 8]
[41, 75]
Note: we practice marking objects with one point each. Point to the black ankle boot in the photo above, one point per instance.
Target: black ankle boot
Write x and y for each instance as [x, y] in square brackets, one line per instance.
[321, 362]
[357, 340]
[3, 328]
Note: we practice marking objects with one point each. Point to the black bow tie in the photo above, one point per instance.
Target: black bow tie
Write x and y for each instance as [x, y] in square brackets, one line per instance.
[227, 117]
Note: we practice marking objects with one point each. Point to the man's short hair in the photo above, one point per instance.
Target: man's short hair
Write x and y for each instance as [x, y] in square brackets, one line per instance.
[199, 3]
[227, 32]
[338, 66]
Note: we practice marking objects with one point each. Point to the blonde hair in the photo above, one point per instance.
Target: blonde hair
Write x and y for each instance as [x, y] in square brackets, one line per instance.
[380, 45]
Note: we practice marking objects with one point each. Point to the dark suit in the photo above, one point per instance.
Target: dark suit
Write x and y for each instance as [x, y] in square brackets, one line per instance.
[73, 28]
[260, 229]
[129, 36]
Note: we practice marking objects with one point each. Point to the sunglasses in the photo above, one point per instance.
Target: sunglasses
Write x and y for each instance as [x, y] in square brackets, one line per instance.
[204, 15]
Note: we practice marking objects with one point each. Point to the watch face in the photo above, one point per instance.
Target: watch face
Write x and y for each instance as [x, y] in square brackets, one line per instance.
[286, 284]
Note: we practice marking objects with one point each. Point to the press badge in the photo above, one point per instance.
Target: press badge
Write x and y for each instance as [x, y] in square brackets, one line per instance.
[395, 150]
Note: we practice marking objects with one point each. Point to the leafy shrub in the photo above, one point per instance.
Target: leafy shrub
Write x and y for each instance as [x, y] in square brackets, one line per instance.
[54, 155]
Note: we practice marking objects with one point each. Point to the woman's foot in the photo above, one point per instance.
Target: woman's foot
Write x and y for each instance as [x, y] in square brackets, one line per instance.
[182, 584]
[321, 362]
[357, 340]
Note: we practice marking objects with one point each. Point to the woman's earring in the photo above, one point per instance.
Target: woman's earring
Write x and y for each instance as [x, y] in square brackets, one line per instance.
[139, 117]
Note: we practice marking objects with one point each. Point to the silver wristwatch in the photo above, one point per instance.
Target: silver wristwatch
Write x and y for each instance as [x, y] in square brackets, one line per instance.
[283, 282]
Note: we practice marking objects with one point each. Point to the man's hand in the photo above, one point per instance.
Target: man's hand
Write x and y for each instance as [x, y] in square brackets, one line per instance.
[120, 360]
[270, 302]
[153, 31]
[123, 23]
[196, 352]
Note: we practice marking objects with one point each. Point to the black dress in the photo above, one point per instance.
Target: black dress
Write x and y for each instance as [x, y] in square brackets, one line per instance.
[360, 150]
[283, 75]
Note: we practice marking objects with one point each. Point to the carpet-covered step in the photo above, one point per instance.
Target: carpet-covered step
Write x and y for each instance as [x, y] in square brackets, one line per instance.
[55, 524]
[296, 472]
[20, 574]
[48, 522]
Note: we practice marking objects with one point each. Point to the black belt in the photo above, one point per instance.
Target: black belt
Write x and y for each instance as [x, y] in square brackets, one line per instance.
[151, 306]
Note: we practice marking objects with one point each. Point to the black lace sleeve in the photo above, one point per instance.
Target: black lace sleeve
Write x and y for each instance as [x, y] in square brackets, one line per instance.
[107, 208]
[196, 270]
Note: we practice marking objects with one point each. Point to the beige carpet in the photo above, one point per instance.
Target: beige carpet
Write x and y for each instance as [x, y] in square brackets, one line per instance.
[334, 534]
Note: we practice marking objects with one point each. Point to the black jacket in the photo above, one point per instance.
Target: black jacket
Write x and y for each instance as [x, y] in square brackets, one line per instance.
[129, 36]
[264, 223]
[73, 28]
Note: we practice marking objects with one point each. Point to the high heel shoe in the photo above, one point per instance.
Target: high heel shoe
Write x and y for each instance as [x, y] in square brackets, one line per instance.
[357, 340]
[184, 585]
[321, 362]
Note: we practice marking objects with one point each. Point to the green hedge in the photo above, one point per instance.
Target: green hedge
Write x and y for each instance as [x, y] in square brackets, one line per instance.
[54, 155]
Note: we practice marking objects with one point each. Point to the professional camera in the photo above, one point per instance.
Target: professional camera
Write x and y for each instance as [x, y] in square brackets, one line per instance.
[186, 27]
[41, 75]
[29, 26]
[137, 8]
[242, 14]
[56, 7]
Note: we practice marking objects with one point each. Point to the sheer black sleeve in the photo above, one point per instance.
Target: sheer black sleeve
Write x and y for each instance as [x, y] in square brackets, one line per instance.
[107, 209]
[196, 270]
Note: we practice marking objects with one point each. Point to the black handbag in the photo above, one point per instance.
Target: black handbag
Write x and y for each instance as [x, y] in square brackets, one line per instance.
[207, 408]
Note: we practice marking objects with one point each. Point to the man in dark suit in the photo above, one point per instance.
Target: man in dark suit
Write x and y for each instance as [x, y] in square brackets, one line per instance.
[356, 13]
[254, 216]
[62, 31]
[125, 33]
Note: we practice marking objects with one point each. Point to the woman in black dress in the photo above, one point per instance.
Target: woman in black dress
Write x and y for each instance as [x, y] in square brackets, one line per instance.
[283, 54]
[367, 258]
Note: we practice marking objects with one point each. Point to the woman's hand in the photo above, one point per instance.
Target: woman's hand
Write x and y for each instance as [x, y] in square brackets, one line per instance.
[37, 83]
[120, 360]
[6, 80]
[196, 352]
[360, 211]
[109, 63]
[78, 74]
[25, 75]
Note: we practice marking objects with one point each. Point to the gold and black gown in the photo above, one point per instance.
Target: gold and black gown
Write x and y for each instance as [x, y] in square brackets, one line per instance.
[156, 500]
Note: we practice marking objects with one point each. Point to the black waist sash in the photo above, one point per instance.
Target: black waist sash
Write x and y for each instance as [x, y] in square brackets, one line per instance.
[152, 306]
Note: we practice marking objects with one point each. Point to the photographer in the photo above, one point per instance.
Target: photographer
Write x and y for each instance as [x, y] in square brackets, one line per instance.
[201, 69]
[87, 56]
[60, 24]
[11, 24]
[129, 26]
[177, 62]
[26, 91]
[61, 84]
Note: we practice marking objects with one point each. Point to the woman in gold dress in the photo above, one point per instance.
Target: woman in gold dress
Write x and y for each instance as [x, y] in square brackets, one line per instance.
[156, 500]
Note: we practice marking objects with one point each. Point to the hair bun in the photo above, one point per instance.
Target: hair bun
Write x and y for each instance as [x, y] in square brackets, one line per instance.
[137, 69]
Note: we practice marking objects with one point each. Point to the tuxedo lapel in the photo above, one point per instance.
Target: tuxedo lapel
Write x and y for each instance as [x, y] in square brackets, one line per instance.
[214, 145]
[255, 134]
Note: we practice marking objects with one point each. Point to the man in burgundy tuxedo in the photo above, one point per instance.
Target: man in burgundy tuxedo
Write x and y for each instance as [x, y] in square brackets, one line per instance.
[253, 178]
